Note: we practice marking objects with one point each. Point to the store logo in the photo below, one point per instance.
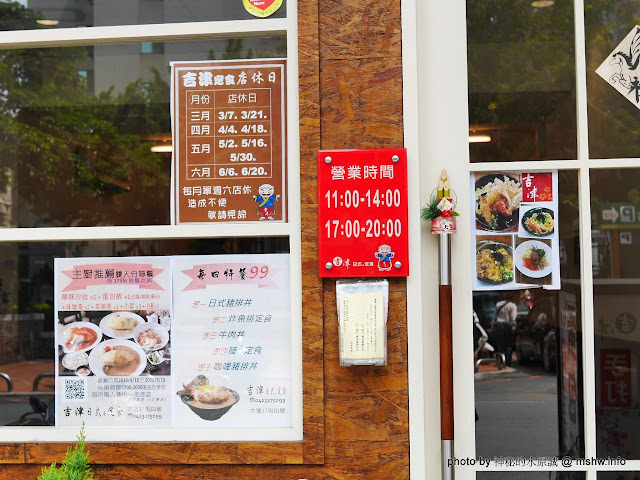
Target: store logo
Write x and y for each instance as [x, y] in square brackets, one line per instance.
[262, 8]
[620, 68]
[626, 323]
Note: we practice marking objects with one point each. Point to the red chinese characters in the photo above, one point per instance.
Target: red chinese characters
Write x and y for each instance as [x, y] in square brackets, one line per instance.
[615, 377]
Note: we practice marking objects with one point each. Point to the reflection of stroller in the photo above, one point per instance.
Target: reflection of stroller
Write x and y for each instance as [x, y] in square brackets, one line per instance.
[485, 352]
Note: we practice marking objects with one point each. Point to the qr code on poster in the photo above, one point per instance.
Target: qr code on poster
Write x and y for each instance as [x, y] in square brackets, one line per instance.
[75, 389]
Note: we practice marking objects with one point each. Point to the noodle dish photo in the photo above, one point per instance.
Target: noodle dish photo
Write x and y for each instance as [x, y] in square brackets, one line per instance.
[538, 222]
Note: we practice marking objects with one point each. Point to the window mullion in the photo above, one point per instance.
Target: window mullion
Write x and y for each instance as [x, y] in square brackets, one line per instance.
[145, 232]
[588, 329]
[65, 37]
[581, 82]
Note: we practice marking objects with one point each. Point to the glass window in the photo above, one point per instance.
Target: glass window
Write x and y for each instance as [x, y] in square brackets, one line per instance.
[616, 310]
[521, 81]
[34, 14]
[618, 475]
[531, 475]
[27, 349]
[533, 406]
[611, 113]
[78, 126]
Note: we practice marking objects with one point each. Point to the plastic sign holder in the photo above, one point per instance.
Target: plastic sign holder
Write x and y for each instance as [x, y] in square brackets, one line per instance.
[363, 307]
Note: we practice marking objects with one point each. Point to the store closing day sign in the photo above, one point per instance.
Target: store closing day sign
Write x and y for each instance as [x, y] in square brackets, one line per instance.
[516, 234]
[194, 341]
[229, 136]
[363, 213]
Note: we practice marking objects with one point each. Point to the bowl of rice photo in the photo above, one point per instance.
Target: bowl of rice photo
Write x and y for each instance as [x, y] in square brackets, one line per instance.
[494, 262]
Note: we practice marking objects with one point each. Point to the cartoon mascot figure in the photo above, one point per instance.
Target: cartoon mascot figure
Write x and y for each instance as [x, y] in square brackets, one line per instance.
[384, 256]
[265, 199]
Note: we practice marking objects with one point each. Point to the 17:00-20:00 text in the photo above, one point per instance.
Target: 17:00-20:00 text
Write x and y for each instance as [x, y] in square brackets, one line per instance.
[371, 229]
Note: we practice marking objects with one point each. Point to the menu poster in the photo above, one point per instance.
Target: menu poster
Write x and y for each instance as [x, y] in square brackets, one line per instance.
[229, 137]
[515, 224]
[232, 358]
[113, 324]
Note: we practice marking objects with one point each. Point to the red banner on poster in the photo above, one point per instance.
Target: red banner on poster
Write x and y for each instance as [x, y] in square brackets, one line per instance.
[363, 213]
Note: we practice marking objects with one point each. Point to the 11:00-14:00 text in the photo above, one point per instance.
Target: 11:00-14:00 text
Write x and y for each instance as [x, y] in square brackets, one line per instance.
[354, 199]
[371, 229]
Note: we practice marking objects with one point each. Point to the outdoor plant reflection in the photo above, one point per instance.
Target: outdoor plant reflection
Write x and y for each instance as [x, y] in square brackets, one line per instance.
[611, 115]
[521, 80]
[75, 139]
[71, 155]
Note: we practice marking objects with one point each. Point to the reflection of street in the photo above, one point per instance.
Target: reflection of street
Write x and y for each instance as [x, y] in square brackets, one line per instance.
[518, 413]
[22, 376]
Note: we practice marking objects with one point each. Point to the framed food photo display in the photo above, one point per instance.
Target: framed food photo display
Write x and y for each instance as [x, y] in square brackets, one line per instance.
[515, 230]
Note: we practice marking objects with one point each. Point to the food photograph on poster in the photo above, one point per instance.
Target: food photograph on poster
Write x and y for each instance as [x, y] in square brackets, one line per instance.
[494, 259]
[112, 344]
[497, 197]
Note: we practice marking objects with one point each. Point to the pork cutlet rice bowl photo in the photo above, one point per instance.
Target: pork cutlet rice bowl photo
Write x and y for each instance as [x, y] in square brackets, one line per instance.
[497, 197]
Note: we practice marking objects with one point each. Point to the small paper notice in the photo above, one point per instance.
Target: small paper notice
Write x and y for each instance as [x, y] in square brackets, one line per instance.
[362, 327]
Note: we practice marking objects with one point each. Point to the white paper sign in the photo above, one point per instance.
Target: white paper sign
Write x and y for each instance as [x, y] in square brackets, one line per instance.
[114, 366]
[232, 341]
[362, 327]
[620, 68]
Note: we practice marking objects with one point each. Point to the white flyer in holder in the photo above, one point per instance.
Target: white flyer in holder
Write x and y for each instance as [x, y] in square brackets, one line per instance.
[362, 316]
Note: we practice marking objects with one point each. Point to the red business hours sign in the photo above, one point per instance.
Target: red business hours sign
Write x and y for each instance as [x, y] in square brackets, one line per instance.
[362, 213]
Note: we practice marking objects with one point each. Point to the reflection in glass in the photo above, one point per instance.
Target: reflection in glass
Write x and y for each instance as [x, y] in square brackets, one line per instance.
[521, 81]
[78, 124]
[556, 475]
[616, 302]
[27, 347]
[611, 114]
[618, 475]
[34, 14]
[534, 408]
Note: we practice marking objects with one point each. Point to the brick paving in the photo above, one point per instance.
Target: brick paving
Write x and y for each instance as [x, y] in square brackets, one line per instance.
[24, 373]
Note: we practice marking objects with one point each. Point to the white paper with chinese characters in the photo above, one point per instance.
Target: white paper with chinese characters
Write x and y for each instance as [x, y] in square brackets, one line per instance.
[362, 326]
[232, 330]
[94, 298]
